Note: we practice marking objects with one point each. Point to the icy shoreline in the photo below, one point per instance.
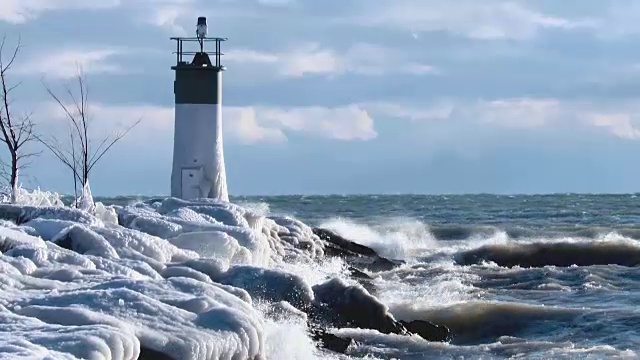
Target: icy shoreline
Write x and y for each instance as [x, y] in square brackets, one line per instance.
[178, 278]
[81, 286]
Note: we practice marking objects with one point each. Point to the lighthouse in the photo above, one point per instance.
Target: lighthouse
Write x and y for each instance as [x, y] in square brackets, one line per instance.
[198, 157]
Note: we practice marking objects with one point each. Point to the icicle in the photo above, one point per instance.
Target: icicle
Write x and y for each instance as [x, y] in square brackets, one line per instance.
[85, 201]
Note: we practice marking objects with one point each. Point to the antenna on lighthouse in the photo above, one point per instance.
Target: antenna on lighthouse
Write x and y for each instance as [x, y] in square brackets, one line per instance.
[198, 159]
[201, 31]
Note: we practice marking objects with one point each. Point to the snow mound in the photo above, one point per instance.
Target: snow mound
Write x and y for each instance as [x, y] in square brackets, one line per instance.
[174, 277]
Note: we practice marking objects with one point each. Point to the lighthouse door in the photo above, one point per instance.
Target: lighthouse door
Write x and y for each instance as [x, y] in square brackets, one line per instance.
[191, 182]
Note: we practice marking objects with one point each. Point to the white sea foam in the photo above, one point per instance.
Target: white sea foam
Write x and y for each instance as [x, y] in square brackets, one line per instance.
[392, 238]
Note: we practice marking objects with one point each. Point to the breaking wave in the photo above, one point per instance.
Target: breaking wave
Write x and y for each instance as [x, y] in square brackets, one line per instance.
[609, 250]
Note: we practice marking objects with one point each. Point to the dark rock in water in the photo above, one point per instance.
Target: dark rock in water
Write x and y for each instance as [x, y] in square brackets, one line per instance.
[330, 341]
[149, 354]
[359, 256]
[554, 254]
[363, 279]
[270, 285]
[340, 305]
[343, 243]
[377, 263]
[428, 331]
[331, 249]
[359, 274]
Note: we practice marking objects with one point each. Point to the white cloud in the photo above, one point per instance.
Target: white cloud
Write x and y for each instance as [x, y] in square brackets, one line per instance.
[521, 112]
[63, 64]
[154, 118]
[167, 14]
[162, 13]
[245, 125]
[618, 18]
[156, 121]
[168, 17]
[19, 11]
[517, 112]
[481, 20]
[623, 125]
[618, 118]
[621, 19]
[439, 110]
[341, 123]
[242, 125]
[270, 124]
[275, 2]
[312, 58]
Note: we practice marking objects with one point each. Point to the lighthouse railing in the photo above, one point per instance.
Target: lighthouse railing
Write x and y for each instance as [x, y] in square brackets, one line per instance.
[180, 52]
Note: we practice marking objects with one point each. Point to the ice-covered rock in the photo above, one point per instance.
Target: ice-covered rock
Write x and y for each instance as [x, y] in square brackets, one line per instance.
[165, 278]
[35, 197]
[170, 277]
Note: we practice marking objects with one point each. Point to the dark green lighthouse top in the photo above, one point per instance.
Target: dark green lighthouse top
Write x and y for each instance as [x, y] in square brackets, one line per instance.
[197, 81]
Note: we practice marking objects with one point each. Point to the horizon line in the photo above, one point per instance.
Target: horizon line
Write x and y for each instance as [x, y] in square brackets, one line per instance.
[380, 194]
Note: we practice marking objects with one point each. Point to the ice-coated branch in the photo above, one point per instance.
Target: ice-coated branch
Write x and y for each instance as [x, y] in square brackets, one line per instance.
[79, 155]
[16, 132]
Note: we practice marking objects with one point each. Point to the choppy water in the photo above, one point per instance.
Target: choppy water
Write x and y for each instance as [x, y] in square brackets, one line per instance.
[495, 311]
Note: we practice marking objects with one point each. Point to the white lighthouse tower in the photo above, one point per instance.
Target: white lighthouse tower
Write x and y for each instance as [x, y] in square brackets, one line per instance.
[198, 158]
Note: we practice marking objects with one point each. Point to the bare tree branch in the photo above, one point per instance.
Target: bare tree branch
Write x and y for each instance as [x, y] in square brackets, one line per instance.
[100, 153]
[79, 155]
[4, 173]
[17, 132]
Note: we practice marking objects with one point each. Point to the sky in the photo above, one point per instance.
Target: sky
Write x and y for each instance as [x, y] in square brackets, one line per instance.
[350, 96]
